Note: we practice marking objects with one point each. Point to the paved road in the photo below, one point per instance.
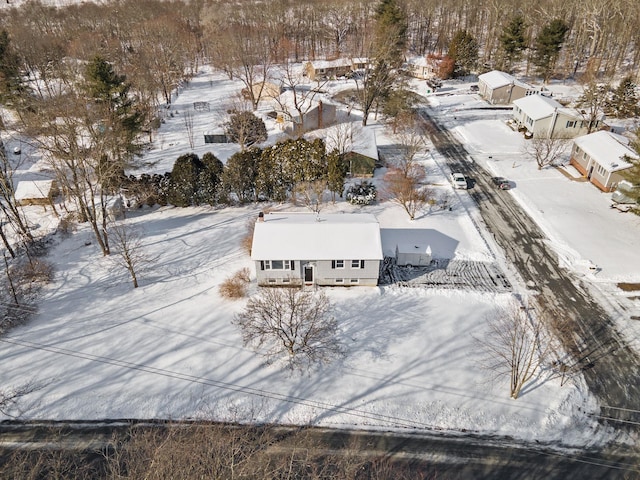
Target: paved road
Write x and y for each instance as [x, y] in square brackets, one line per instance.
[610, 366]
[433, 456]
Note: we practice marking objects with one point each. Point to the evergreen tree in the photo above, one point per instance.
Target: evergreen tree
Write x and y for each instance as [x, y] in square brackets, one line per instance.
[120, 122]
[9, 73]
[386, 51]
[240, 175]
[624, 99]
[548, 45]
[209, 180]
[183, 186]
[512, 42]
[336, 174]
[463, 49]
[246, 129]
[391, 32]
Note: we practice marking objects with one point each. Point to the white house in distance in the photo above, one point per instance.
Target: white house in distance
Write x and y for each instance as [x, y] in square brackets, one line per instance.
[500, 88]
[311, 249]
[601, 156]
[545, 118]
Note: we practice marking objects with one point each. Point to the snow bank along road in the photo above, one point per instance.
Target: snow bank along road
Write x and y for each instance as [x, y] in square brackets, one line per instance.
[610, 366]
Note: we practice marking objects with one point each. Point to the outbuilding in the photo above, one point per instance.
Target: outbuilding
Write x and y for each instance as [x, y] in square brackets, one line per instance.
[414, 255]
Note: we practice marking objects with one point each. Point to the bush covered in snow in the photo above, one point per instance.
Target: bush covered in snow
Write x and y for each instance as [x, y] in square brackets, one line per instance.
[362, 193]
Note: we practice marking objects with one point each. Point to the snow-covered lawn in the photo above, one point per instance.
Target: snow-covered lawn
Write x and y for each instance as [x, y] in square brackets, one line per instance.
[99, 349]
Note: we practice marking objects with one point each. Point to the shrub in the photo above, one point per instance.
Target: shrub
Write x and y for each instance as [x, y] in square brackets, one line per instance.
[236, 285]
[362, 193]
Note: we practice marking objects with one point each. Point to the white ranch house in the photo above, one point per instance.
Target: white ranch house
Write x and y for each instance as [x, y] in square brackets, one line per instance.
[310, 249]
[500, 88]
[546, 118]
[601, 156]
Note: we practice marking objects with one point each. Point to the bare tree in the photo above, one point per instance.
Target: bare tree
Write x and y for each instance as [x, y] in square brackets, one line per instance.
[311, 194]
[593, 101]
[405, 187]
[516, 345]
[9, 397]
[298, 97]
[242, 49]
[188, 124]
[545, 151]
[340, 137]
[127, 249]
[8, 204]
[290, 322]
[411, 143]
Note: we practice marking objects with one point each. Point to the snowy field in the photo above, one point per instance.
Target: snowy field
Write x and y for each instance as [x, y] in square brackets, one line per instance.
[99, 349]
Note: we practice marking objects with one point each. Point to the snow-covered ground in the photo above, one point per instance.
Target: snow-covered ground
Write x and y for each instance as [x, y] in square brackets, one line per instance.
[99, 349]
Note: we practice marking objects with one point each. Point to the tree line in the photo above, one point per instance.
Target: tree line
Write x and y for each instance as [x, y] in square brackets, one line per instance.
[281, 172]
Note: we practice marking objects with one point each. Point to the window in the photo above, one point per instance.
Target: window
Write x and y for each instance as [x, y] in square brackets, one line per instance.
[272, 280]
[286, 280]
[355, 280]
[357, 263]
[278, 265]
[339, 280]
[571, 124]
[337, 263]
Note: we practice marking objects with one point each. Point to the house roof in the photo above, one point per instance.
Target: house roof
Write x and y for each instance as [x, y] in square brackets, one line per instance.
[608, 149]
[32, 189]
[496, 79]
[339, 62]
[307, 236]
[537, 107]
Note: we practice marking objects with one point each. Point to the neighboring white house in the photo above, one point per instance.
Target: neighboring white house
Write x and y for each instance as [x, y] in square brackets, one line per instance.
[329, 69]
[500, 88]
[601, 156]
[311, 249]
[546, 118]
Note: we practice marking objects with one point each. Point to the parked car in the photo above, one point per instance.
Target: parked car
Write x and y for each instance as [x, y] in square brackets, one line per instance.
[458, 180]
[501, 183]
[623, 192]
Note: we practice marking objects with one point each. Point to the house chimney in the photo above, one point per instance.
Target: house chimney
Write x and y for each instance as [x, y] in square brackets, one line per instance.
[261, 217]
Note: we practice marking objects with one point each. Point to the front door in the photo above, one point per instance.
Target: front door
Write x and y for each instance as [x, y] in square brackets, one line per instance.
[308, 274]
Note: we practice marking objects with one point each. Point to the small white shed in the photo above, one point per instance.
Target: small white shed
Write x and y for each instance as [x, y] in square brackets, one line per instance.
[416, 255]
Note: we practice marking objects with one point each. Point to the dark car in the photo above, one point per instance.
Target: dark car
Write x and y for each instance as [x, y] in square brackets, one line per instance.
[501, 182]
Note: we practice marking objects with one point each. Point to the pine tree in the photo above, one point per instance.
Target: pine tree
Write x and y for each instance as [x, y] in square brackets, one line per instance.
[548, 45]
[9, 73]
[624, 99]
[121, 122]
[209, 180]
[336, 174]
[184, 180]
[512, 42]
[240, 175]
[463, 49]
[391, 31]
[386, 53]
